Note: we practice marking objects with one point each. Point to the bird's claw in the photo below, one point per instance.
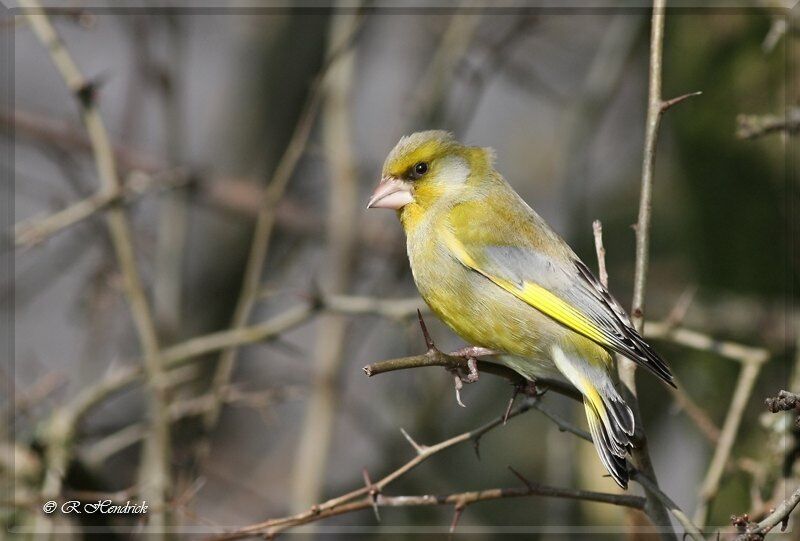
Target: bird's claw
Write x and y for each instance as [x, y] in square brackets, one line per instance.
[460, 378]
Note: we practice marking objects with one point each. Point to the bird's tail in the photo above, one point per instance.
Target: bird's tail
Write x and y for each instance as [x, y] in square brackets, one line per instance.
[610, 419]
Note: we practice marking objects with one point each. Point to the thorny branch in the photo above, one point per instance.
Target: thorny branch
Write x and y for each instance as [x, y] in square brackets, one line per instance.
[756, 532]
[371, 495]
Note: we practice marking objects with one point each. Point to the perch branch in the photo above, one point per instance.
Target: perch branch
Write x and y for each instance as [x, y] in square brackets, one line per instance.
[460, 361]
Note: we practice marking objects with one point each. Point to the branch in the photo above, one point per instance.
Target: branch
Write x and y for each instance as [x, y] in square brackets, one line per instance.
[690, 528]
[754, 126]
[460, 360]
[779, 516]
[43, 128]
[155, 463]
[371, 494]
[656, 107]
[31, 232]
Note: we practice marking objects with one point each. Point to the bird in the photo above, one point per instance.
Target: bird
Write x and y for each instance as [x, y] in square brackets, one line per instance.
[501, 278]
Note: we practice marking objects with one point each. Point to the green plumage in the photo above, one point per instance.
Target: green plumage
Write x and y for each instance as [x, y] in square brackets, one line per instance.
[496, 273]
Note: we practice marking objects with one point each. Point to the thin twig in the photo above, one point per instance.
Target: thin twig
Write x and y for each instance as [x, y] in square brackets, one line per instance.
[627, 368]
[779, 516]
[597, 228]
[33, 231]
[741, 395]
[754, 126]
[363, 498]
[434, 357]
[689, 527]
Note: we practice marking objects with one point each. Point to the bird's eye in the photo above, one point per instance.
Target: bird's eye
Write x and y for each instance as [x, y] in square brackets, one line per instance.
[419, 169]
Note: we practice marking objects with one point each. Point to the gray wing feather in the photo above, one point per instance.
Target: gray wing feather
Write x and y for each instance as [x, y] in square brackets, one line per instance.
[573, 282]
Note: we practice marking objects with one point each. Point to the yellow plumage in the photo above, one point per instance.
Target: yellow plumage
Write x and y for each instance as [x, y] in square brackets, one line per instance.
[496, 273]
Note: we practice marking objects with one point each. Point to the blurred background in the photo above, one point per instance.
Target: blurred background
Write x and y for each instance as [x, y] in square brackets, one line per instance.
[201, 107]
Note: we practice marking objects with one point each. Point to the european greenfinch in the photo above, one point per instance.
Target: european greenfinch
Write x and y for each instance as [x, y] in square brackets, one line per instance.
[491, 268]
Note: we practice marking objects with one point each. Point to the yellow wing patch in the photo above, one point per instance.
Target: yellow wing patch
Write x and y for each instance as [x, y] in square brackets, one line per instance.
[535, 295]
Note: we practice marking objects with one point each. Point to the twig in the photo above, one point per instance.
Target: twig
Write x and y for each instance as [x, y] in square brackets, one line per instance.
[779, 516]
[697, 415]
[741, 395]
[434, 357]
[363, 498]
[31, 232]
[785, 401]
[100, 451]
[597, 228]
[689, 527]
[156, 462]
[656, 106]
[704, 342]
[754, 126]
[65, 135]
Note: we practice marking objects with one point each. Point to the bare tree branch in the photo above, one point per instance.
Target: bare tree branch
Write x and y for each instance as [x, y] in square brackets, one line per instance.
[779, 516]
[627, 369]
[754, 126]
[33, 231]
[362, 499]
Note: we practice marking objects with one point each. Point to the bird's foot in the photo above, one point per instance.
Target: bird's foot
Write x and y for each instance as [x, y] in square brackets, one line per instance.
[474, 351]
[460, 377]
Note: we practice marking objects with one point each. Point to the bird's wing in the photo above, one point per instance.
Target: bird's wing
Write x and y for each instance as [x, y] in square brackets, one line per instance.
[562, 287]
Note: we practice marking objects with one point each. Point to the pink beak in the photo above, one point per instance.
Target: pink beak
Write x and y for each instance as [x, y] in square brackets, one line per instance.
[391, 193]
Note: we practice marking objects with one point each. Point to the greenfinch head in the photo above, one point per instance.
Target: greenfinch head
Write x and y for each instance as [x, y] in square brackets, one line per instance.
[427, 166]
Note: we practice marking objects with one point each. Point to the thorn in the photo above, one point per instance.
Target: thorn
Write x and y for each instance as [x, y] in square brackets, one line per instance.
[373, 493]
[510, 404]
[428, 340]
[417, 447]
[459, 508]
[675, 101]
[521, 478]
[476, 446]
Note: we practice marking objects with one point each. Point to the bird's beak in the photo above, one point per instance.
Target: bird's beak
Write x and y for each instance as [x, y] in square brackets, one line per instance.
[391, 193]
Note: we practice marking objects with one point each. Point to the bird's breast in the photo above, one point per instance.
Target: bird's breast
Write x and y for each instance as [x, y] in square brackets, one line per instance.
[476, 309]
